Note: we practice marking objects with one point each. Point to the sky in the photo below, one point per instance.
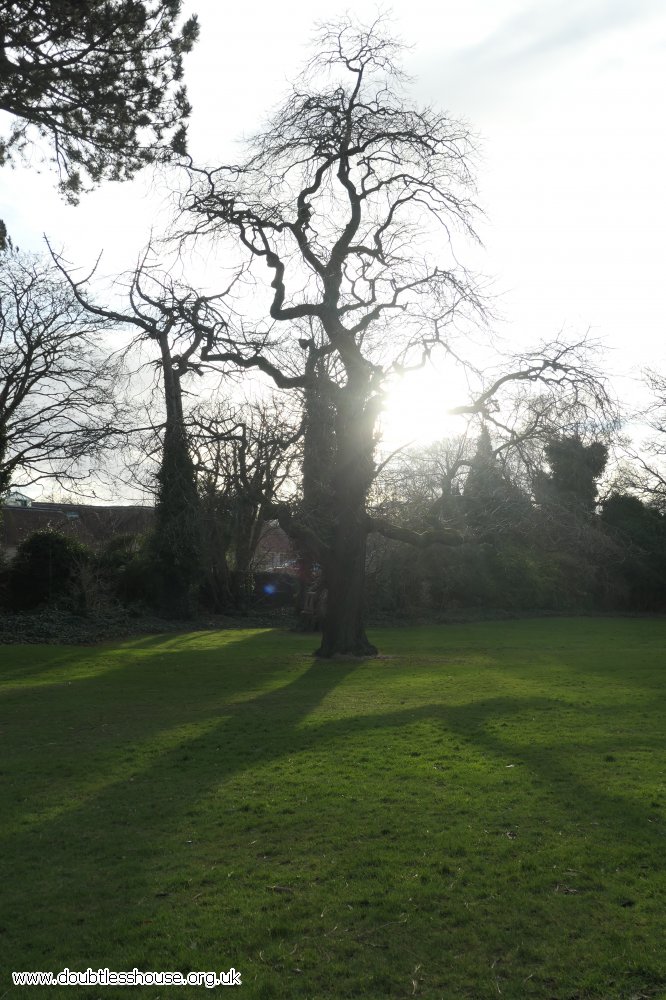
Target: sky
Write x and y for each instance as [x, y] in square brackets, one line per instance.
[568, 100]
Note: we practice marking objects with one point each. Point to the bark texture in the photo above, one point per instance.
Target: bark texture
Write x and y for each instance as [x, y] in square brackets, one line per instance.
[343, 559]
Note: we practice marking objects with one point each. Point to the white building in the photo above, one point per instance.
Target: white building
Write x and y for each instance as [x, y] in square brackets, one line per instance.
[16, 499]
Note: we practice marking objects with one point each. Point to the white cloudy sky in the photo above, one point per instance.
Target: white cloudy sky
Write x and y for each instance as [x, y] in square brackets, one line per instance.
[568, 97]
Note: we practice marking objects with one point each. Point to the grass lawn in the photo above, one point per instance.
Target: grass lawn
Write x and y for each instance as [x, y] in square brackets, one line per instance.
[480, 813]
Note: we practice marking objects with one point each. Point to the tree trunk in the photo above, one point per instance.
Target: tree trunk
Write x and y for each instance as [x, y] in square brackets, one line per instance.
[5, 473]
[216, 541]
[344, 555]
[247, 530]
[343, 632]
[175, 542]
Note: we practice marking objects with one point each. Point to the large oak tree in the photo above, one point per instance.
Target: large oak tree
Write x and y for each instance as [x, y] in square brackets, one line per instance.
[347, 211]
[348, 199]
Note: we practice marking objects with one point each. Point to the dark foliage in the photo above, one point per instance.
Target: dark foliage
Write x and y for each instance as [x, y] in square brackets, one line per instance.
[126, 572]
[549, 552]
[100, 80]
[575, 471]
[174, 547]
[47, 571]
[641, 533]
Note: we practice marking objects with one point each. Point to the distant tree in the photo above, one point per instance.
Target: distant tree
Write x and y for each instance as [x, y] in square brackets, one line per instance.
[423, 484]
[640, 528]
[99, 80]
[243, 456]
[575, 471]
[58, 406]
[174, 320]
[515, 554]
[493, 504]
[645, 474]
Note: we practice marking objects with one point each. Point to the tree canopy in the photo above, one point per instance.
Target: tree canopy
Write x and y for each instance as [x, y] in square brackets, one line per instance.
[575, 469]
[99, 80]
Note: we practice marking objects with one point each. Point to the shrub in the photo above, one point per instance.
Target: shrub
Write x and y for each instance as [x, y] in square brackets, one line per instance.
[47, 570]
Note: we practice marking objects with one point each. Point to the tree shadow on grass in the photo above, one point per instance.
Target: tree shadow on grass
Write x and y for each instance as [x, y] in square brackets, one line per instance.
[102, 701]
[93, 827]
[545, 761]
[21, 666]
[121, 840]
[22, 663]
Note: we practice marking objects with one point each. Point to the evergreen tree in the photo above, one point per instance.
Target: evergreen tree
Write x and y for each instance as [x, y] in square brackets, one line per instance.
[100, 80]
[175, 544]
[575, 471]
[641, 531]
[493, 505]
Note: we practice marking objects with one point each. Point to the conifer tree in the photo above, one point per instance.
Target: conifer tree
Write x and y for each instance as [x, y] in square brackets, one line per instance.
[99, 80]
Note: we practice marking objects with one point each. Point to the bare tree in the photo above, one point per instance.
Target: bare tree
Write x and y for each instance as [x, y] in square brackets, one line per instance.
[163, 311]
[178, 321]
[348, 203]
[58, 405]
[244, 456]
[646, 472]
[340, 199]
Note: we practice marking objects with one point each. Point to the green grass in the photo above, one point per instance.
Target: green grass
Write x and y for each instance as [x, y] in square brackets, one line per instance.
[477, 814]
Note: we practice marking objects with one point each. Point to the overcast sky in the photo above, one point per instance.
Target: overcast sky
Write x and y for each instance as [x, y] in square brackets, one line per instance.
[566, 95]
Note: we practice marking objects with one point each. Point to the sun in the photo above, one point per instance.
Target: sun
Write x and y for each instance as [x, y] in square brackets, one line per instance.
[417, 404]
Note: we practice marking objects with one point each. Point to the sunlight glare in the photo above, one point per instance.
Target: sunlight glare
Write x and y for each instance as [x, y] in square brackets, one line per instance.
[416, 407]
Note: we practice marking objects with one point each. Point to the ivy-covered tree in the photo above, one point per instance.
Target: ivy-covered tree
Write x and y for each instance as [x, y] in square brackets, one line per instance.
[334, 200]
[575, 470]
[99, 80]
[174, 546]
[174, 320]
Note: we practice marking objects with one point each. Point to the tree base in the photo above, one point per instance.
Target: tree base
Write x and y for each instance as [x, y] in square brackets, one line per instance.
[359, 648]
